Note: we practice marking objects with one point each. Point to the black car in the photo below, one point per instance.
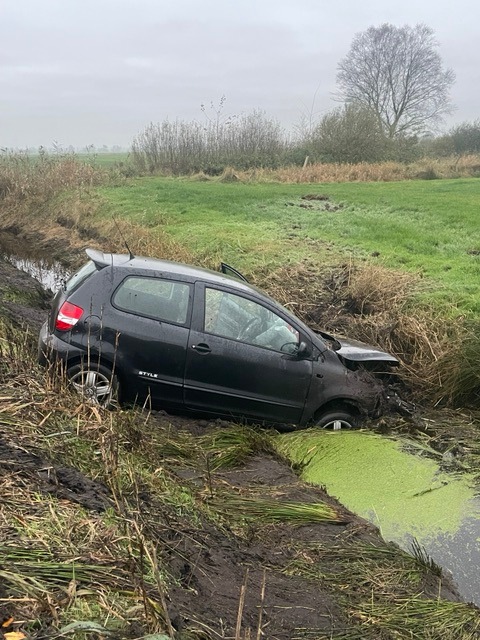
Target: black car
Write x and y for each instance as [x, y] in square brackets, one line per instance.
[140, 329]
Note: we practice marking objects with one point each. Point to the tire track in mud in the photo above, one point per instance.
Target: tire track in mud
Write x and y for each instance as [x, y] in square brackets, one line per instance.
[64, 483]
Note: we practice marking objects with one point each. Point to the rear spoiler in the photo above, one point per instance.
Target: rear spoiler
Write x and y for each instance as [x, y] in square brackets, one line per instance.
[105, 259]
[99, 258]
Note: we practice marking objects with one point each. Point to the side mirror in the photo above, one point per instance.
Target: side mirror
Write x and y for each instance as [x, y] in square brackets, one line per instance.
[302, 351]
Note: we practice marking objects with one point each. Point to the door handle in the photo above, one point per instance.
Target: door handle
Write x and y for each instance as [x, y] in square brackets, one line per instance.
[201, 348]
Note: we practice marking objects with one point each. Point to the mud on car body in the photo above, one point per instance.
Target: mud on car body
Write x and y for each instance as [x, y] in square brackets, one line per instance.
[134, 328]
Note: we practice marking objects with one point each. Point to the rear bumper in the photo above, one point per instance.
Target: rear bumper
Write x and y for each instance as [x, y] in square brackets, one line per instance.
[53, 349]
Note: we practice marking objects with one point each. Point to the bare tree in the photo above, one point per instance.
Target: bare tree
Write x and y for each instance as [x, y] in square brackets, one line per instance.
[397, 72]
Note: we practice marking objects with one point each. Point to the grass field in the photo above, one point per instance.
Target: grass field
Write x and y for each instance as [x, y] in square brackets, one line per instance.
[104, 159]
[428, 227]
[100, 158]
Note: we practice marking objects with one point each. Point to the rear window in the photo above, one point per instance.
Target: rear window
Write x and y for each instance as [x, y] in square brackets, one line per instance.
[80, 276]
[164, 300]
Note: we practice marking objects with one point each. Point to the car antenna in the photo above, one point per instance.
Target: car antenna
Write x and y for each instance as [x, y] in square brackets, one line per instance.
[130, 254]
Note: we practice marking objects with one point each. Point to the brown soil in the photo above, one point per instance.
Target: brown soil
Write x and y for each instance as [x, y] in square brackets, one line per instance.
[65, 483]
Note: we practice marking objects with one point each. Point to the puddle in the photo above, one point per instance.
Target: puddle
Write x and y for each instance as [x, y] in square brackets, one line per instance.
[406, 496]
[49, 273]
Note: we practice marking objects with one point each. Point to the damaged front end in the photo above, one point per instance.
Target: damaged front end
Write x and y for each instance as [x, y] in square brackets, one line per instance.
[353, 353]
[376, 395]
[378, 386]
[372, 377]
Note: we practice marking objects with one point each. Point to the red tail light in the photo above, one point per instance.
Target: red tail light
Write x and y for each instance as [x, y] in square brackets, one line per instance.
[68, 316]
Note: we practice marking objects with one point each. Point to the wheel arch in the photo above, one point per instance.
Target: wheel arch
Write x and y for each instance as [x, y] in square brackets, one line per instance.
[339, 404]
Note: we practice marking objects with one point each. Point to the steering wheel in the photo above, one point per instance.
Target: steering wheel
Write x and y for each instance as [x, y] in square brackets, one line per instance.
[245, 332]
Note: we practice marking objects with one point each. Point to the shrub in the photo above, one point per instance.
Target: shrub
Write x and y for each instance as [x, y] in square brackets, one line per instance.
[350, 134]
[25, 176]
[466, 138]
[179, 147]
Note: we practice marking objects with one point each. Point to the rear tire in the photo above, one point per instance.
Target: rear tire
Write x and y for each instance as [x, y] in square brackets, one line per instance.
[337, 420]
[96, 383]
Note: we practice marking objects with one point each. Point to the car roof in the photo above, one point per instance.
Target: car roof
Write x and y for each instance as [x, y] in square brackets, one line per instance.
[190, 272]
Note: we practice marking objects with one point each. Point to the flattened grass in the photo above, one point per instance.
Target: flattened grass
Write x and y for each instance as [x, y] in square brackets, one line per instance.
[259, 510]
[391, 612]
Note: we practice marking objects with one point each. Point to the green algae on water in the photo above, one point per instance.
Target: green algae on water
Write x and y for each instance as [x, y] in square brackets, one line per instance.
[401, 493]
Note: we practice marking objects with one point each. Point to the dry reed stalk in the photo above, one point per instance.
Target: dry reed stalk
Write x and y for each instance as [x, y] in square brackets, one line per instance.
[262, 600]
[241, 604]
[426, 168]
[25, 177]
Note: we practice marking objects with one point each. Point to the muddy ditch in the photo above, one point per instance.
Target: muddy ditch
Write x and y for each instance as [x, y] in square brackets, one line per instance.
[212, 584]
[38, 260]
[23, 300]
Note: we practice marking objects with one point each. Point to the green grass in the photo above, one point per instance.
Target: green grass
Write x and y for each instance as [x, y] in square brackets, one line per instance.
[430, 227]
[105, 159]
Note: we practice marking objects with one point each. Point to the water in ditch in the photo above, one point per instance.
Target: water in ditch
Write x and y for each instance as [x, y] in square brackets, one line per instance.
[404, 493]
[49, 273]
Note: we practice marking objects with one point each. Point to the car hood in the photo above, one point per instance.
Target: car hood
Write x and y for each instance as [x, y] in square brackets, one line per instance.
[357, 351]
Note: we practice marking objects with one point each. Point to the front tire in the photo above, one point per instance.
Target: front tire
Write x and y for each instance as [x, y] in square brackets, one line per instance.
[96, 383]
[337, 420]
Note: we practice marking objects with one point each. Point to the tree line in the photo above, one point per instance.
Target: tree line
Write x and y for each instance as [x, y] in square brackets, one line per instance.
[393, 93]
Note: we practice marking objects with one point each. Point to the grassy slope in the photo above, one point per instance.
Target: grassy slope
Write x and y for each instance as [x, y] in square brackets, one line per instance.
[428, 227]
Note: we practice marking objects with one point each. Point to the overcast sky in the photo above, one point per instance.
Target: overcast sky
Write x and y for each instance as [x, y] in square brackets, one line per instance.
[83, 72]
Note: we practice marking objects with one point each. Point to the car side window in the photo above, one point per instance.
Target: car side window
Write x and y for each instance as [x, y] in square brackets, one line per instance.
[238, 318]
[154, 297]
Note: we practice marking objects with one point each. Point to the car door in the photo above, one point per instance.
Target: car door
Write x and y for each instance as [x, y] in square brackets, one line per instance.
[152, 317]
[241, 358]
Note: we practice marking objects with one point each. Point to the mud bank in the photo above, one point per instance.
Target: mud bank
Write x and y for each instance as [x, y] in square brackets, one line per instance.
[22, 298]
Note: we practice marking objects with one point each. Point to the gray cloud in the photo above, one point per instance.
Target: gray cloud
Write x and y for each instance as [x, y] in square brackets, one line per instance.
[81, 72]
